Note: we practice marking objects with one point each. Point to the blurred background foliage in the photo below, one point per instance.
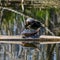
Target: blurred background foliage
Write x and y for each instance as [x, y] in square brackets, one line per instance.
[13, 24]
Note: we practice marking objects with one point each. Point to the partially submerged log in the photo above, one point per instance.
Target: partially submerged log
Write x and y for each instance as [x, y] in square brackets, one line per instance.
[43, 39]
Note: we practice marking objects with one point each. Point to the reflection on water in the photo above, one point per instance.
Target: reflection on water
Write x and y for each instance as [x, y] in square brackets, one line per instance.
[8, 52]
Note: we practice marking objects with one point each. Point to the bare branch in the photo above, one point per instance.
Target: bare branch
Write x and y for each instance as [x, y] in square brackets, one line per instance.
[9, 9]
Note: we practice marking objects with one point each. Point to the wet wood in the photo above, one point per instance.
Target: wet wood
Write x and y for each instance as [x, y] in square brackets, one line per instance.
[18, 39]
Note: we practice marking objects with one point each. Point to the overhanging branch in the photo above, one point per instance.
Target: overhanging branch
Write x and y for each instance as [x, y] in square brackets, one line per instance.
[14, 11]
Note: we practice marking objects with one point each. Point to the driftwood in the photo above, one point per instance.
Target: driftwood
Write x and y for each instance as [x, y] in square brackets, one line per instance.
[43, 39]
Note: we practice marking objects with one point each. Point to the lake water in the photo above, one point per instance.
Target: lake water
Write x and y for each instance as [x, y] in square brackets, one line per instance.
[30, 55]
